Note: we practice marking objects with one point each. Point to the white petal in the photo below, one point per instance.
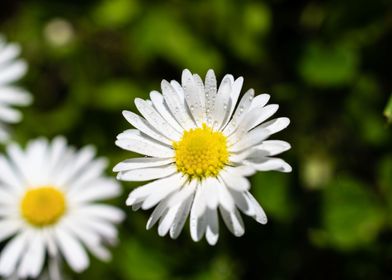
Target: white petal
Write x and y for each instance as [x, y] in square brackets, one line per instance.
[146, 190]
[167, 220]
[9, 115]
[212, 231]
[34, 257]
[7, 198]
[93, 171]
[258, 115]
[259, 101]
[233, 221]
[162, 192]
[276, 125]
[198, 226]
[210, 92]
[259, 214]
[99, 189]
[222, 102]
[273, 147]
[244, 170]
[251, 119]
[238, 157]
[179, 90]
[225, 198]
[90, 239]
[211, 192]
[270, 164]
[182, 214]
[143, 162]
[159, 103]
[197, 218]
[73, 252]
[193, 96]
[183, 194]
[147, 174]
[9, 52]
[12, 253]
[257, 135]
[242, 108]
[99, 226]
[102, 211]
[242, 202]
[176, 106]
[235, 93]
[81, 159]
[143, 146]
[56, 153]
[8, 228]
[8, 175]
[200, 202]
[12, 72]
[234, 180]
[156, 120]
[157, 213]
[14, 96]
[145, 127]
[50, 242]
[36, 153]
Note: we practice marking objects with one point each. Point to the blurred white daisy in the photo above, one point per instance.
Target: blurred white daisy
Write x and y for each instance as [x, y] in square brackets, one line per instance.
[11, 69]
[48, 207]
[199, 143]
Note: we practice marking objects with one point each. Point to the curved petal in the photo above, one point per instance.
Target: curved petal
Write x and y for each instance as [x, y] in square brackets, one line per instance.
[143, 162]
[194, 96]
[156, 120]
[176, 106]
[72, 250]
[159, 103]
[147, 174]
[142, 125]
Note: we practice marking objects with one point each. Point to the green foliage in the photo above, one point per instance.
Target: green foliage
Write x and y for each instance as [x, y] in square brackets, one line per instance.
[352, 214]
[326, 63]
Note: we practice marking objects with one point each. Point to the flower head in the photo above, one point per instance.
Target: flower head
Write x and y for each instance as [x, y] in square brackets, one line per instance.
[48, 205]
[199, 143]
[11, 69]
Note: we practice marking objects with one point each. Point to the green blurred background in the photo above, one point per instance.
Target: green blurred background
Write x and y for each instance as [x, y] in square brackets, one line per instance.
[328, 65]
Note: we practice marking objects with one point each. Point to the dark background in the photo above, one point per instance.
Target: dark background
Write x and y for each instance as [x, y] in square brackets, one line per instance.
[326, 63]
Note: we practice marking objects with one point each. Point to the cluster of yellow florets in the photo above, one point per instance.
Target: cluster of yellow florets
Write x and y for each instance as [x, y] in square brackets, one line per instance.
[43, 206]
[201, 152]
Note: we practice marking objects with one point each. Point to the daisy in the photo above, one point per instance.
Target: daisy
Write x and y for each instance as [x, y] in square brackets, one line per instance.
[11, 69]
[199, 143]
[48, 207]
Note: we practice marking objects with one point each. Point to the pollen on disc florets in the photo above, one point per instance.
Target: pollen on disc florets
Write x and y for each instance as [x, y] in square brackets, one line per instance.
[201, 152]
[43, 206]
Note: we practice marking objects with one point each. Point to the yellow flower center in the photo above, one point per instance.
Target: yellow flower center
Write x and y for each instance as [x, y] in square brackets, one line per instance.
[43, 206]
[201, 152]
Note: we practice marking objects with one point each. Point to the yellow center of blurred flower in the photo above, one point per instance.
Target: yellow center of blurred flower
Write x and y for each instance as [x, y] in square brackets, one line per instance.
[201, 152]
[43, 206]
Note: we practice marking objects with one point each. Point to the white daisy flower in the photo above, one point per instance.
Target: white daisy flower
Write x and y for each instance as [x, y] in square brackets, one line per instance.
[199, 142]
[48, 206]
[11, 69]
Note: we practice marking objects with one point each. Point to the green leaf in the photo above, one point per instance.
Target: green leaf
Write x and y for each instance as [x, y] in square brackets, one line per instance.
[324, 66]
[352, 216]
